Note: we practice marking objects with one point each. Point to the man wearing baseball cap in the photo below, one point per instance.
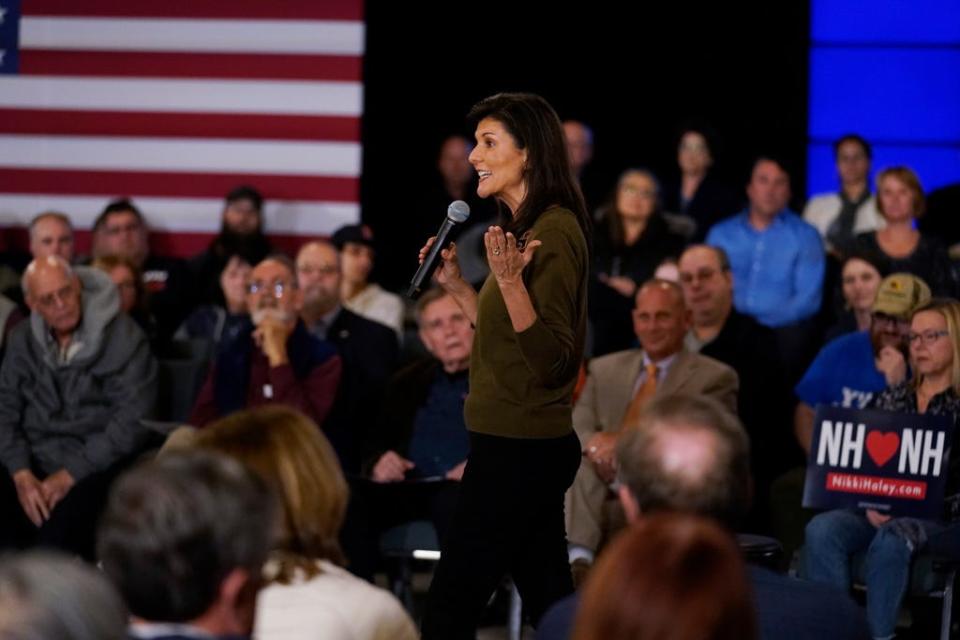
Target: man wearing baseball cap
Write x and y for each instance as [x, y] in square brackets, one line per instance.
[848, 371]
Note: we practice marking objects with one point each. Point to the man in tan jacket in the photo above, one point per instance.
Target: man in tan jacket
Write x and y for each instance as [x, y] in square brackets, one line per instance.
[618, 385]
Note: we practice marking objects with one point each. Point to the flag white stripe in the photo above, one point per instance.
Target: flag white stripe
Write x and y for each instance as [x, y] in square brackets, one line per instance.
[278, 97]
[273, 157]
[184, 214]
[318, 37]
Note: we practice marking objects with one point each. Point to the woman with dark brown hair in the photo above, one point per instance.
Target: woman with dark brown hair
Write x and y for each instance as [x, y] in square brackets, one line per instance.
[530, 318]
[632, 239]
[308, 595]
[668, 577]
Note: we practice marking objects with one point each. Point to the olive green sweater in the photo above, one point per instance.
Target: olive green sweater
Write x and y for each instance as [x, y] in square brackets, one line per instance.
[521, 383]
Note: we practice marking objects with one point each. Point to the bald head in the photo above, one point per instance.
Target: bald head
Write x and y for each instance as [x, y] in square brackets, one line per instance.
[660, 319]
[52, 289]
[318, 270]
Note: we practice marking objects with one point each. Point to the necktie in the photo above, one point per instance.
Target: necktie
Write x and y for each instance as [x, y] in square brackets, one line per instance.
[640, 398]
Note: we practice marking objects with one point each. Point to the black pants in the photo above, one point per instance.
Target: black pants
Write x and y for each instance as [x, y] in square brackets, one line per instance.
[509, 520]
[73, 522]
[375, 507]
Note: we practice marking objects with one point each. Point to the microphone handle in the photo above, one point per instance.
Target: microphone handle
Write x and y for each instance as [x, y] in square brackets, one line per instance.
[431, 261]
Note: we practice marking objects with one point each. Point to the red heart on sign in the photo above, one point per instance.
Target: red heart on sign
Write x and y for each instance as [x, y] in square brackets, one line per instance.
[882, 446]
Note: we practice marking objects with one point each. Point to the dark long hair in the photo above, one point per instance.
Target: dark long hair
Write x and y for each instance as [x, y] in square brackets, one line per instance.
[536, 127]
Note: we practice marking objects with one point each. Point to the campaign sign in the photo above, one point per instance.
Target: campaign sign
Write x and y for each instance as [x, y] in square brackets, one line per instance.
[895, 463]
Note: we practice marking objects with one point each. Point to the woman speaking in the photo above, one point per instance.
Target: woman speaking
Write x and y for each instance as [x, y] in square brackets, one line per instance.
[530, 318]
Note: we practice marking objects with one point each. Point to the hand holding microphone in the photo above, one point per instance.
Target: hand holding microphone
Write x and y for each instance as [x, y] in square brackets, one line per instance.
[440, 251]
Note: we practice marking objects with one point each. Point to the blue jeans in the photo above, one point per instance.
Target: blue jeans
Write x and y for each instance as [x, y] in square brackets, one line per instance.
[832, 538]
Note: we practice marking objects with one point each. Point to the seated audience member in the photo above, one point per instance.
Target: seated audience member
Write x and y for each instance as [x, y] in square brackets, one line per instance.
[899, 246]
[122, 231]
[454, 179]
[51, 233]
[418, 450]
[631, 240]
[832, 538]
[618, 386]
[579, 141]
[272, 358]
[778, 265]
[776, 258]
[698, 193]
[688, 454]
[129, 283]
[307, 595]
[49, 597]
[368, 349]
[184, 539]
[75, 383]
[212, 322]
[357, 293]
[852, 369]
[669, 575]
[241, 233]
[841, 216]
[721, 332]
[859, 280]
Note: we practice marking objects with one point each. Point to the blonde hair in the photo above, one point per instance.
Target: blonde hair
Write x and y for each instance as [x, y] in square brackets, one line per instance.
[907, 176]
[287, 450]
[950, 310]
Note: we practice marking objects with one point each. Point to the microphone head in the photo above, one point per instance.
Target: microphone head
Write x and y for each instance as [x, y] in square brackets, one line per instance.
[458, 211]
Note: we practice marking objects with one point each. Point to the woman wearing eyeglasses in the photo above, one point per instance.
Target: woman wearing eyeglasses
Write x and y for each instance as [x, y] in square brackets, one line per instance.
[832, 538]
[632, 239]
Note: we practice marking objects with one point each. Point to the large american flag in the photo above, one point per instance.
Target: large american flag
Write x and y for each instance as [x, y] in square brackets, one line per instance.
[174, 103]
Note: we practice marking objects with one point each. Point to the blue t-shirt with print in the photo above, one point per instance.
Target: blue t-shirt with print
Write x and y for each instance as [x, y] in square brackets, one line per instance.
[844, 374]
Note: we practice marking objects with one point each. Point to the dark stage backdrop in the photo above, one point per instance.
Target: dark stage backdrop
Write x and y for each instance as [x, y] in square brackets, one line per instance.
[633, 72]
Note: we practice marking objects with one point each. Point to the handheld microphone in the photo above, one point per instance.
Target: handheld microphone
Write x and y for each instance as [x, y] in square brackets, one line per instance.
[457, 213]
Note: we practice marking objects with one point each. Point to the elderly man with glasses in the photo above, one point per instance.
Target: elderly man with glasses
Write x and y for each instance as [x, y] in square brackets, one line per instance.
[272, 358]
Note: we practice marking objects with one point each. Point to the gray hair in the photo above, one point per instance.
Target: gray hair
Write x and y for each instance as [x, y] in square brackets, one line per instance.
[175, 527]
[44, 596]
[54, 215]
[719, 488]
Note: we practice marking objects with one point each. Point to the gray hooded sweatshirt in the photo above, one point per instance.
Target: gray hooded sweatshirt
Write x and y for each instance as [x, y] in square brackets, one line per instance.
[80, 410]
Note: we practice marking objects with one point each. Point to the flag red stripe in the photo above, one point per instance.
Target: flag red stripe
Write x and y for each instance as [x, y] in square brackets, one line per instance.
[180, 125]
[140, 64]
[163, 243]
[172, 184]
[241, 9]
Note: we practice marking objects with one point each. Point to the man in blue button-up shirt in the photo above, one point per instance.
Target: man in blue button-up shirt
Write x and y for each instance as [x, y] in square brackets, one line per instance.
[777, 259]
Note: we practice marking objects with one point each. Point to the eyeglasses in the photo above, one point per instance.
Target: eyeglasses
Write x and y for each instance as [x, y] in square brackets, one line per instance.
[277, 287]
[61, 296]
[927, 338]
